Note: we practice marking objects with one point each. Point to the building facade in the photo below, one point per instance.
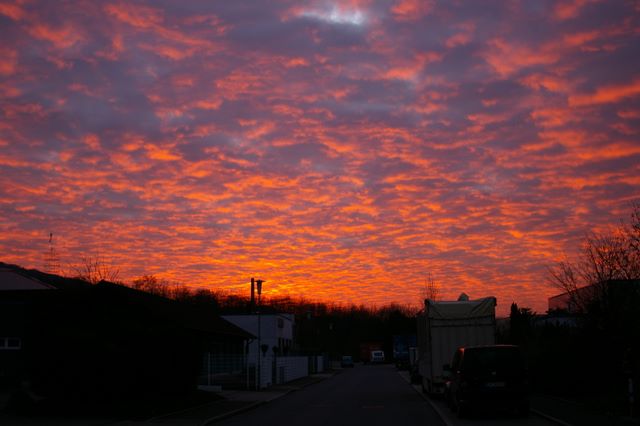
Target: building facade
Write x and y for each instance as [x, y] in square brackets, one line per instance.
[269, 356]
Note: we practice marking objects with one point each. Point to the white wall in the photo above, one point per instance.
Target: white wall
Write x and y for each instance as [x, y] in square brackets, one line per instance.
[291, 367]
[271, 334]
[288, 368]
[320, 359]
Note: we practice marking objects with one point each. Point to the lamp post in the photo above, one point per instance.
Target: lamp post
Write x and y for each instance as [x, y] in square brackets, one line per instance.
[259, 365]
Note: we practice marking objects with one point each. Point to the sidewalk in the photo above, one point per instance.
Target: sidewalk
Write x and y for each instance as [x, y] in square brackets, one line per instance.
[233, 402]
[570, 413]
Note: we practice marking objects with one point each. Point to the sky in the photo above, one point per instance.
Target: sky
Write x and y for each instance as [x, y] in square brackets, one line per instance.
[342, 151]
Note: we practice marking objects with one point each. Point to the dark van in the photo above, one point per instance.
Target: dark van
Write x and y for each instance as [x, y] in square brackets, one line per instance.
[487, 378]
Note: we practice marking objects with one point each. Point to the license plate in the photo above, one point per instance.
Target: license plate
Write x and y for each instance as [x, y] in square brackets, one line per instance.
[495, 385]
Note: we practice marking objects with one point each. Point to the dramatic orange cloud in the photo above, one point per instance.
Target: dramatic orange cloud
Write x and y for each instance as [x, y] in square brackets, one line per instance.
[340, 150]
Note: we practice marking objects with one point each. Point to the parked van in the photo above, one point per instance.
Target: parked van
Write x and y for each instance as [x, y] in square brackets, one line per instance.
[346, 361]
[487, 377]
[377, 357]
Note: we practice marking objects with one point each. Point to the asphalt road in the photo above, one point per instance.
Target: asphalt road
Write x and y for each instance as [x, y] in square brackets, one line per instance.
[365, 395]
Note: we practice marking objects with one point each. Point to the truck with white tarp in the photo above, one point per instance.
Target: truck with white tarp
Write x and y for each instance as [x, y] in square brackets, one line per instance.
[445, 326]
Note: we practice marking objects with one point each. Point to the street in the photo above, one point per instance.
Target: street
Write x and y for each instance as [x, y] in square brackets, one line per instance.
[365, 395]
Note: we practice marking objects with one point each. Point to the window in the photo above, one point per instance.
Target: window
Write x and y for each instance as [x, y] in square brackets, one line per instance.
[10, 343]
[280, 323]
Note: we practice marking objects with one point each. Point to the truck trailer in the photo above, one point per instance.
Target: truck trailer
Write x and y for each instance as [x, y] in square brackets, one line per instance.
[445, 326]
[401, 345]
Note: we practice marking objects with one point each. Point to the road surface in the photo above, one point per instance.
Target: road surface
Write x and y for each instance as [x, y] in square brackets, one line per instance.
[365, 395]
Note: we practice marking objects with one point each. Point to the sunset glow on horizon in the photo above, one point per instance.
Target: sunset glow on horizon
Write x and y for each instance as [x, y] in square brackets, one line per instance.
[340, 150]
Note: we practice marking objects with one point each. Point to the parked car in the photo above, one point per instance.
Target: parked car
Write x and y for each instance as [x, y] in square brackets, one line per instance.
[491, 377]
[346, 362]
[377, 357]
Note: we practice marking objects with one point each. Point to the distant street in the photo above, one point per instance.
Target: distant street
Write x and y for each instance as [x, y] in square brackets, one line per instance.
[365, 395]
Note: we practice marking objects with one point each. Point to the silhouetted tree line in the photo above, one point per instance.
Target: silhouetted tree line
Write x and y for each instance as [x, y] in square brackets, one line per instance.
[330, 328]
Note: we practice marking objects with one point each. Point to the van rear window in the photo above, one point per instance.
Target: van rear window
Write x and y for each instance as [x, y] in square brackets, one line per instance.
[493, 358]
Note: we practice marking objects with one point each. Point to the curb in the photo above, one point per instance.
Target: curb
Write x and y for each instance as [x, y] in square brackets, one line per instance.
[184, 410]
[550, 418]
[223, 416]
[256, 404]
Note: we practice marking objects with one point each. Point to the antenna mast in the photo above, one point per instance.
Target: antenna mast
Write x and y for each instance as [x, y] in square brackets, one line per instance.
[52, 262]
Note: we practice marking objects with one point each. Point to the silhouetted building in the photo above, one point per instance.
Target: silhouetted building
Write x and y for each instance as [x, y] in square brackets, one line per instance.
[70, 339]
[611, 292]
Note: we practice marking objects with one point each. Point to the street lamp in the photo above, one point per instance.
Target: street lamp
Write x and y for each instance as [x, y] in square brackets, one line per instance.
[259, 366]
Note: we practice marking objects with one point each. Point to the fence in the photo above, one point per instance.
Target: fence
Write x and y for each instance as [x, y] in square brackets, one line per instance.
[236, 372]
[228, 371]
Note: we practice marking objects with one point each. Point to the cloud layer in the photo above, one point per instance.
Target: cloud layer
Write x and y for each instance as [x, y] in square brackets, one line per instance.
[340, 150]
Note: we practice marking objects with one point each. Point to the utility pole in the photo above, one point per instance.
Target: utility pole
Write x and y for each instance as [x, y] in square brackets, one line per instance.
[252, 304]
[259, 366]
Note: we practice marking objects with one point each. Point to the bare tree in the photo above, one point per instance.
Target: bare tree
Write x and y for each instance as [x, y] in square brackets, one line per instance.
[602, 258]
[94, 269]
[153, 285]
[431, 288]
[181, 292]
[633, 235]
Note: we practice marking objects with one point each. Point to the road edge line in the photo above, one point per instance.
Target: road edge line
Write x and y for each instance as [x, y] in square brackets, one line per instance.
[426, 398]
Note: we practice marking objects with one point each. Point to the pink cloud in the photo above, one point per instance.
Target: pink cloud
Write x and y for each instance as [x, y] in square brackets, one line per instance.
[506, 57]
[607, 94]
[9, 61]
[412, 68]
[13, 11]
[61, 37]
[411, 10]
[135, 15]
[569, 9]
[464, 36]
